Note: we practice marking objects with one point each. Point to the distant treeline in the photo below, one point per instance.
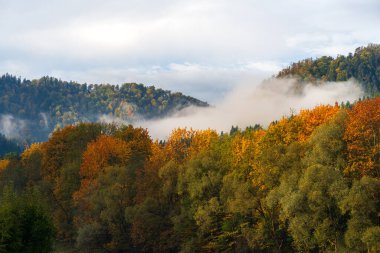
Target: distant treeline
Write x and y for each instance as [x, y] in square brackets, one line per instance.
[363, 65]
[8, 146]
[46, 103]
[308, 183]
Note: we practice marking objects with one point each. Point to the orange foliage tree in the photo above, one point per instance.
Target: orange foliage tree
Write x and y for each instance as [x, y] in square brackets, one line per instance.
[54, 151]
[104, 151]
[310, 119]
[60, 163]
[4, 164]
[363, 138]
[147, 179]
[299, 127]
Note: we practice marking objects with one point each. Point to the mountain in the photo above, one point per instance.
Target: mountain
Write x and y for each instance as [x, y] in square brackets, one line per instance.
[363, 65]
[32, 109]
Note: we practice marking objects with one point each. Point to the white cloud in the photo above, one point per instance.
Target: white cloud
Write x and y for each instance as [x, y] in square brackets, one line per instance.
[205, 82]
[266, 66]
[164, 42]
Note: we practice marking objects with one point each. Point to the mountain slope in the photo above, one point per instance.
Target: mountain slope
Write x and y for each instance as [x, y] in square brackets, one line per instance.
[41, 105]
[363, 65]
[8, 146]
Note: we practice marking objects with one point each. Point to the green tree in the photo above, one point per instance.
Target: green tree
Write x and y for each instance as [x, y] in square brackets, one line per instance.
[362, 203]
[25, 225]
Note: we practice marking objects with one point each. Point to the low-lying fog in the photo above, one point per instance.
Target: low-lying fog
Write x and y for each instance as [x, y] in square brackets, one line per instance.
[255, 104]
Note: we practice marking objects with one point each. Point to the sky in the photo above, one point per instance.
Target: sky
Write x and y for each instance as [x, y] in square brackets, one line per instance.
[202, 48]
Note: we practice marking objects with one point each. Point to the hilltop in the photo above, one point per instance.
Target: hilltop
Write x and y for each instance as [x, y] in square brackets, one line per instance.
[34, 108]
[363, 65]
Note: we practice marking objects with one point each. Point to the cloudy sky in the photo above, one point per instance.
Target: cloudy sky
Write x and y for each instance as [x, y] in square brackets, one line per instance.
[202, 48]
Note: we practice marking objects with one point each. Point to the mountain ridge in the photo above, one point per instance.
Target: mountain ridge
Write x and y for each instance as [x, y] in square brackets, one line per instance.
[48, 103]
[362, 65]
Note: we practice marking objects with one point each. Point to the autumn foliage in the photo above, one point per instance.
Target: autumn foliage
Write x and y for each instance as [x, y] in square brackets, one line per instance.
[363, 138]
[309, 182]
[103, 152]
[3, 164]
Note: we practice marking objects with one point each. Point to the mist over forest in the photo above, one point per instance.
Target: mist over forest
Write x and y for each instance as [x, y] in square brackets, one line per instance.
[196, 126]
[31, 110]
[288, 164]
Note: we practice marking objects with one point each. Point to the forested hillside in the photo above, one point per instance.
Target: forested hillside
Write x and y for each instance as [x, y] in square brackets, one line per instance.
[8, 146]
[309, 183]
[363, 65]
[42, 105]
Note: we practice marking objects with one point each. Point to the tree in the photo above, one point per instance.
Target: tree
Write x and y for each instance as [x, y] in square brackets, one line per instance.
[105, 151]
[178, 143]
[61, 159]
[315, 220]
[25, 225]
[139, 141]
[362, 203]
[363, 138]
[31, 160]
[199, 185]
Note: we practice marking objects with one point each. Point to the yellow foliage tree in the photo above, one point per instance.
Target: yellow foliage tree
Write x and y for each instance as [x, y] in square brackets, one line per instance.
[4, 164]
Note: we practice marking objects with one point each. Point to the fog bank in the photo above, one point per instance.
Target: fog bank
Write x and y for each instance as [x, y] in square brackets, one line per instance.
[248, 105]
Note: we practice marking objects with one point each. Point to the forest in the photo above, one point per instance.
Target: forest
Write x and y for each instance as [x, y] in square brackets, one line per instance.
[44, 104]
[363, 65]
[309, 182]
